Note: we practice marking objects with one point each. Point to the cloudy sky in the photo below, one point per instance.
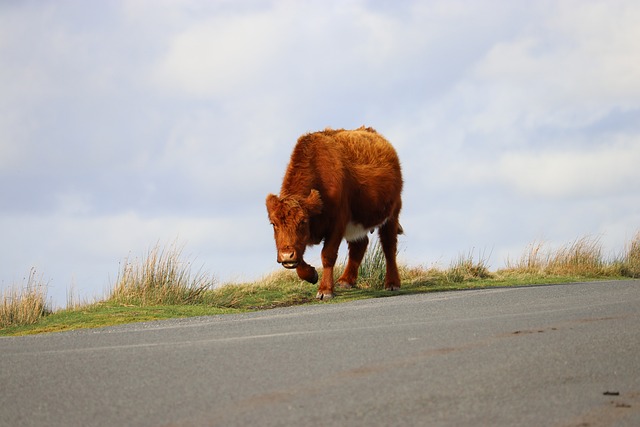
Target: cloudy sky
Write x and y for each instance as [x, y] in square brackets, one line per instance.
[127, 123]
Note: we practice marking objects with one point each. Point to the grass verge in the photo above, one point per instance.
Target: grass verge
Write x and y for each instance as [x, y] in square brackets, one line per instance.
[162, 286]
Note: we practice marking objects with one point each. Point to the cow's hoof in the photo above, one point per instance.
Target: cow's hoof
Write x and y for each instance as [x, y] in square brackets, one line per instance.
[392, 288]
[314, 279]
[345, 285]
[323, 296]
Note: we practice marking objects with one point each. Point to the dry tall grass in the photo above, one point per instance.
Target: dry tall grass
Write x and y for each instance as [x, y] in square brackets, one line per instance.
[466, 267]
[160, 278]
[630, 262]
[24, 305]
[581, 258]
[532, 261]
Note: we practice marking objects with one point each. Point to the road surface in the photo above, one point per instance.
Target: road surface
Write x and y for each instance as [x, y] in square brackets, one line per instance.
[566, 355]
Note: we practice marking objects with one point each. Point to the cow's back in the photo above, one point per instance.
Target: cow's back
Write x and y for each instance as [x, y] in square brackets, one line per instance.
[370, 158]
[374, 168]
[359, 174]
[366, 147]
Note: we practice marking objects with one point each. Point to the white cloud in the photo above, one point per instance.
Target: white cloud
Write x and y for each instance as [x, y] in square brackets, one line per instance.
[312, 49]
[567, 69]
[608, 170]
[221, 55]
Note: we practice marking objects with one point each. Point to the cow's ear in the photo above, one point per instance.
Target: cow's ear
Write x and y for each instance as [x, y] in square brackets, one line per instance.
[272, 200]
[313, 203]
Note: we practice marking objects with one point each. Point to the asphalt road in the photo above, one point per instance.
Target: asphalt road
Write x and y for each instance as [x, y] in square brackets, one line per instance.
[566, 355]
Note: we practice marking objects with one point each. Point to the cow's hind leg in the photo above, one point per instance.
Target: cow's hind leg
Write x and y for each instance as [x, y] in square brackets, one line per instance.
[357, 248]
[389, 241]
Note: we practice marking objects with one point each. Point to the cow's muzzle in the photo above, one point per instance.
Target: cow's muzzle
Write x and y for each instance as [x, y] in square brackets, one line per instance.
[290, 264]
[288, 258]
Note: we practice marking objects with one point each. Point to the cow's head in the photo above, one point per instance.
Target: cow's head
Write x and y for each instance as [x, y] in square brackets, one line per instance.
[289, 216]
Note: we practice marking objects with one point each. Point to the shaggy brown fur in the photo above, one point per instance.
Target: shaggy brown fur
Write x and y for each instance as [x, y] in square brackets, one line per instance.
[339, 184]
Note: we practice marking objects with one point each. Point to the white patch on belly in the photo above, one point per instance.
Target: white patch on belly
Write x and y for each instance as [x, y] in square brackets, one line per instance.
[355, 231]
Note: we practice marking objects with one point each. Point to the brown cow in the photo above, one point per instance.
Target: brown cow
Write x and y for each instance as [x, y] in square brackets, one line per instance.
[339, 184]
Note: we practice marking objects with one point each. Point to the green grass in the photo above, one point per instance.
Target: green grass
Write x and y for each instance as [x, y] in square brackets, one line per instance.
[372, 269]
[161, 285]
[108, 314]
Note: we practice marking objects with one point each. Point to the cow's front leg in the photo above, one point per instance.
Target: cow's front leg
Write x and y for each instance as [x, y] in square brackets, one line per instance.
[307, 272]
[329, 256]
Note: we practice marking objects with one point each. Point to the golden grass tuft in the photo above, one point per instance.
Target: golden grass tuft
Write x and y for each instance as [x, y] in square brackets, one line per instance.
[160, 278]
[532, 261]
[582, 257]
[468, 268]
[24, 305]
[630, 263]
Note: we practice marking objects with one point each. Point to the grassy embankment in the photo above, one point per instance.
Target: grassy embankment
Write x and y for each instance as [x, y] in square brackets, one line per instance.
[162, 285]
